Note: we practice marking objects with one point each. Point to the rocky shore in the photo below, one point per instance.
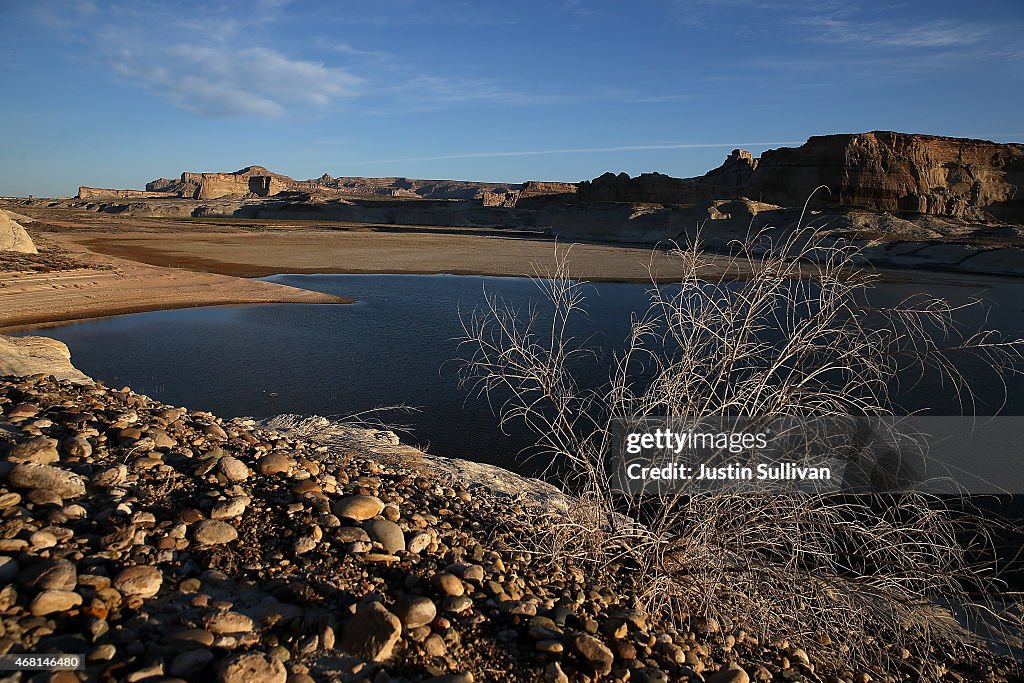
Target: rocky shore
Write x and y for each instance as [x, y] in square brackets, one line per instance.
[165, 544]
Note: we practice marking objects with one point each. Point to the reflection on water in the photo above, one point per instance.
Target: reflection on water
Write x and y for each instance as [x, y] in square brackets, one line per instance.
[395, 346]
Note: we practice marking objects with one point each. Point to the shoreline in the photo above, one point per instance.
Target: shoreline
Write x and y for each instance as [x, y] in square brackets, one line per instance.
[123, 265]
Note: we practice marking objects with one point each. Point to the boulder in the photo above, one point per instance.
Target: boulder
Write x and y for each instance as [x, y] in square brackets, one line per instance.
[13, 237]
[22, 356]
[371, 633]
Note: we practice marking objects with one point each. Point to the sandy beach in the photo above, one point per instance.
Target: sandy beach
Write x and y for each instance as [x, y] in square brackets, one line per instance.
[258, 254]
[103, 285]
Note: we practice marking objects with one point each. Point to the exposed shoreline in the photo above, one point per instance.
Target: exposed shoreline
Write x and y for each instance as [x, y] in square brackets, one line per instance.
[130, 264]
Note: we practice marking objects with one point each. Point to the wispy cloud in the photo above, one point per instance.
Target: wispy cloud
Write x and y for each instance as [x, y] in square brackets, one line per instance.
[429, 92]
[936, 34]
[586, 150]
[222, 81]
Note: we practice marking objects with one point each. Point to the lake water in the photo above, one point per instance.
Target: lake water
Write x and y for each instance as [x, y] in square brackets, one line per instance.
[396, 345]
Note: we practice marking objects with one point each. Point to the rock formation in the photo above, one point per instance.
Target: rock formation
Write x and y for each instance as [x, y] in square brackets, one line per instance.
[257, 181]
[896, 172]
[879, 171]
[13, 237]
[85, 192]
[23, 356]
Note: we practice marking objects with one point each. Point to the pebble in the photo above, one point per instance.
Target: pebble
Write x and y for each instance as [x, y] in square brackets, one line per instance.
[111, 476]
[252, 667]
[50, 574]
[214, 532]
[387, 533]
[229, 622]
[371, 633]
[440, 582]
[50, 601]
[233, 468]
[275, 463]
[414, 611]
[41, 449]
[417, 542]
[40, 540]
[594, 651]
[142, 581]
[733, 674]
[77, 447]
[31, 475]
[358, 508]
[448, 584]
[231, 508]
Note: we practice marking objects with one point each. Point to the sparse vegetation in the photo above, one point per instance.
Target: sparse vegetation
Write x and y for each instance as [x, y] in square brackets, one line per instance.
[852, 580]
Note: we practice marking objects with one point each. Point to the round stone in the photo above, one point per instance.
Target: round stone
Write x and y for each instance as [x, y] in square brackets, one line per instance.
[448, 584]
[51, 574]
[77, 447]
[51, 601]
[229, 622]
[358, 508]
[275, 463]
[227, 509]
[252, 666]
[112, 476]
[457, 604]
[141, 580]
[594, 651]
[214, 532]
[41, 449]
[233, 468]
[733, 674]
[371, 633]
[415, 611]
[387, 533]
[41, 540]
[30, 475]
[417, 542]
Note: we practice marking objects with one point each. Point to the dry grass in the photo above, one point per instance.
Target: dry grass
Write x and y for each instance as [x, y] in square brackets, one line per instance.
[852, 579]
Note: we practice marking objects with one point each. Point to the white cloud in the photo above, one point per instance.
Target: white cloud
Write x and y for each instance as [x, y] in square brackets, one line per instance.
[221, 81]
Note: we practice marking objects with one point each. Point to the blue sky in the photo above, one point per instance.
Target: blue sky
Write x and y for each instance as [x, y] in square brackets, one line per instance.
[116, 94]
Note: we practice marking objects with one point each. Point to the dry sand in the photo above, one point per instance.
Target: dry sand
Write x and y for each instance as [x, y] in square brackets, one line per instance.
[257, 254]
[28, 299]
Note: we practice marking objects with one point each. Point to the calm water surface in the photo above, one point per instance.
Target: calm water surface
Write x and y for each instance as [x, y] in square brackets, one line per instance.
[396, 345]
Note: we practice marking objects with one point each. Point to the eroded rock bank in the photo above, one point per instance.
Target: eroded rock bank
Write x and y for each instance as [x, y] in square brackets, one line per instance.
[23, 356]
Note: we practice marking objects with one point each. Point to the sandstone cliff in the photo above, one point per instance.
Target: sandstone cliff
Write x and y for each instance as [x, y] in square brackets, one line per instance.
[13, 237]
[896, 172]
[257, 181]
[106, 193]
[878, 171]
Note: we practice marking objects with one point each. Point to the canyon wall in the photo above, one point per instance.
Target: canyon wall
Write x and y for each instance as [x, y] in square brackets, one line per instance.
[896, 172]
[257, 181]
[105, 193]
[878, 171]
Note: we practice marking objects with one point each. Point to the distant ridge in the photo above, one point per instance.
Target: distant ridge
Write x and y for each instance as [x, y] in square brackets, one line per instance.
[882, 171]
[258, 181]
